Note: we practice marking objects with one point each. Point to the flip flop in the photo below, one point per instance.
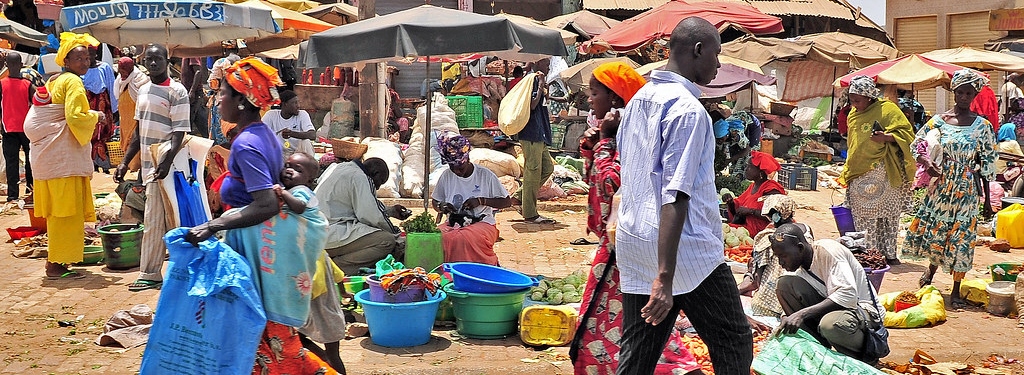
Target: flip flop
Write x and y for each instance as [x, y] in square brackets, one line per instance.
[581, 241]
[70, 275]
[540, 220]
[140, 285]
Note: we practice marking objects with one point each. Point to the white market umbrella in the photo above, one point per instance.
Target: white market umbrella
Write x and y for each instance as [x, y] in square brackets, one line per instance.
[180, 23]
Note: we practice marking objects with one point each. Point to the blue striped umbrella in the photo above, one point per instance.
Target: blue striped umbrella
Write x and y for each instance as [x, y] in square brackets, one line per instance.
[174, 23]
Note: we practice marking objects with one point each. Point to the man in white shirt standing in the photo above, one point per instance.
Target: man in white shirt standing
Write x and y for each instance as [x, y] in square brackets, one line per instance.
[825, 292]
[1010, 92]
[669, 224]
[162, 111]
[292, 125]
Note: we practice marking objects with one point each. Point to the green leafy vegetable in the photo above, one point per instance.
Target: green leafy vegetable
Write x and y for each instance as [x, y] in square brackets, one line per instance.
[422, 223]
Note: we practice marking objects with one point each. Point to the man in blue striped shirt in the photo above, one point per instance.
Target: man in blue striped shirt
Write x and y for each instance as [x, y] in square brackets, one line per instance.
[669, 241]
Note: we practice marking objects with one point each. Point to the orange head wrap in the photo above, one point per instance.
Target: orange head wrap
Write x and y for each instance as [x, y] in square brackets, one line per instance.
[256, 80]
[620, 78]
[764, 162]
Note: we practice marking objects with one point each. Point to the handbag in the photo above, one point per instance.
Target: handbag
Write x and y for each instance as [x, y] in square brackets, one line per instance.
[876, 338]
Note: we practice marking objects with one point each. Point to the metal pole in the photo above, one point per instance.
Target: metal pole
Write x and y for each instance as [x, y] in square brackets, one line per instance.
[426, 145]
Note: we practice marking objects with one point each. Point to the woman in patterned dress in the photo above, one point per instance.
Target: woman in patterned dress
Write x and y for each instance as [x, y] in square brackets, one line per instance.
[944, 229]
[595, 348]
[880, 168]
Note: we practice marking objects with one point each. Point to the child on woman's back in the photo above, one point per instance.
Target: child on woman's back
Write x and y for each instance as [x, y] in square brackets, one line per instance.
[326, 322]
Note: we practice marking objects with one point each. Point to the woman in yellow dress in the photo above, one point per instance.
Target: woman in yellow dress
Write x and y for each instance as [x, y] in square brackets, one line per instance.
[60, 132]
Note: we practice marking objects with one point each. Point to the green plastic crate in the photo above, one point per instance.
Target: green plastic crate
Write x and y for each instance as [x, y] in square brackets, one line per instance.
[558, 136]
[469, 110]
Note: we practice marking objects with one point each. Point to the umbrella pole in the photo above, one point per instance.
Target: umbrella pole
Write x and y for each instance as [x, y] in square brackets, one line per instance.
[426, 145]
[832, 102]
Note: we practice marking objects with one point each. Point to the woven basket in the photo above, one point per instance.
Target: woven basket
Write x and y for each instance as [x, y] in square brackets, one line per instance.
[347, 150]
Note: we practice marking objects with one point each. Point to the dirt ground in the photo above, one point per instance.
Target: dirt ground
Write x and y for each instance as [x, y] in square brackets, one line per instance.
[34, 342]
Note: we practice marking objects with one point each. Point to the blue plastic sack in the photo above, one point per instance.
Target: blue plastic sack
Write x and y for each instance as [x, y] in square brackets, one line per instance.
[209, 317]
[189, 197]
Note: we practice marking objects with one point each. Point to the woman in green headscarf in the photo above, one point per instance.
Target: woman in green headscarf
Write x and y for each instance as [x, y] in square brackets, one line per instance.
[880, 166]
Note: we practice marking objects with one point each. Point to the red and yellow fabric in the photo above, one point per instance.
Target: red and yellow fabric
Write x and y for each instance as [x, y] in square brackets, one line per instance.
[281, 352]
[395, 281]
[256, 80]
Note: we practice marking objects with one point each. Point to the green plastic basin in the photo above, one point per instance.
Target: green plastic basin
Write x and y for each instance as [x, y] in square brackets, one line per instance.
[122, 245]
[486, 316]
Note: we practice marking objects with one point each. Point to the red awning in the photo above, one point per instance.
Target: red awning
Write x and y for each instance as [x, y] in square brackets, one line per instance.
[658, 23]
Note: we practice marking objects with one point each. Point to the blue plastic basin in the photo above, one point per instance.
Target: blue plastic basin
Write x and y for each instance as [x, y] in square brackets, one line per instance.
[399, 325]
[482, 278]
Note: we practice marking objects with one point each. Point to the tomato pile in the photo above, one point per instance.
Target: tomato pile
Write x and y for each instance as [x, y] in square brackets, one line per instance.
[739, 254]
[700, 350]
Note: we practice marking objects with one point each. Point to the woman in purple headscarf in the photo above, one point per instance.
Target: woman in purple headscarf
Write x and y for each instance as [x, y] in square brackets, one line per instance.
[470, 195]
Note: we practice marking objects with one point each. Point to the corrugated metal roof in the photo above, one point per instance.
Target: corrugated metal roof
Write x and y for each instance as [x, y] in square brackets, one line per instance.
[621, 4]
[823, 8]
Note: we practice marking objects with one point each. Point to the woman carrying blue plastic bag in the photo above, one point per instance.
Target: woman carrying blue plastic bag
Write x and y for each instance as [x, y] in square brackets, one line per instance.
[281, 249]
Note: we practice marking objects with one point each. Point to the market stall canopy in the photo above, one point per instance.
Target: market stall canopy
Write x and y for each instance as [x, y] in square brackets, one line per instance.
[335, 14]
[644, 70]
[977, 59]
[17, 33]
[295, 28]
[568, 37]
[429, 31]
[658, 23]
[287, 53]
[295, 5]
[175, 23]
[289, 19]
[908, 72]
[840, 48]
[584, 22]
[762, 51]
[577, 77]
[730, 79]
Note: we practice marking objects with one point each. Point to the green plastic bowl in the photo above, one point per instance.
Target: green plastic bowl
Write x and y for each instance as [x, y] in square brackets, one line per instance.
[1003, 275]
[92, 255]
[484, 315]
[354, 284]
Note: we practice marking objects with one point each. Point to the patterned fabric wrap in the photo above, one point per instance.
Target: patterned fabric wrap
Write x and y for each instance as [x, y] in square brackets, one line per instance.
[399, 280]
[943, 231]
[256, 80]
[968, 77]
[864, 86]
[782, 203]
[453, 148]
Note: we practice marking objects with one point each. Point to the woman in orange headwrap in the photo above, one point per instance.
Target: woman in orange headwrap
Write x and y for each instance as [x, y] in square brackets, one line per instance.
[595, 347]
[745, 210]
[281, 248]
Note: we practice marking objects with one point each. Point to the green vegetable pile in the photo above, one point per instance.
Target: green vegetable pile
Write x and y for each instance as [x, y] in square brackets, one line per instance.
[560, 291]
[422, 223]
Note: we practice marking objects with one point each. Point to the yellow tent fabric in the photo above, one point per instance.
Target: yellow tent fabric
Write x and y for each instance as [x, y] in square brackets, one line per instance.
[290, 19]
[842, 48]
[335, 14]
[974, 58]
[643, 70]
[762, 51]
[294, 5]
[568, 37]
[287, 53]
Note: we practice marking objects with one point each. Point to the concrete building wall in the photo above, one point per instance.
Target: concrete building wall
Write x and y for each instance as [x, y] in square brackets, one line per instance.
[944, 12]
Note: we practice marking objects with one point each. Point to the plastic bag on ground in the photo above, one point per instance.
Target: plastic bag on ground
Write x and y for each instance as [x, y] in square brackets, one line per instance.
[209, 312]
[931, 311]
[392, 156]
[801, 354]
[550, 190]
